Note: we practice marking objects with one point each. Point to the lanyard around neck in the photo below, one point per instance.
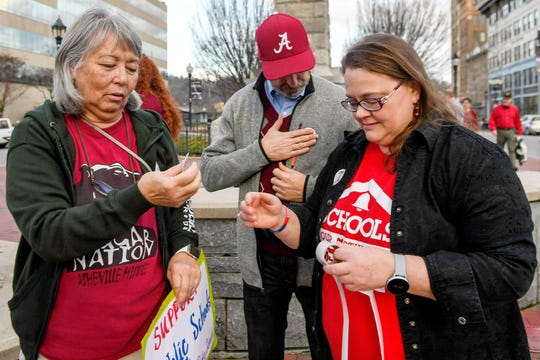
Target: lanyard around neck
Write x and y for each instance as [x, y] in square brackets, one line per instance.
[118, 143]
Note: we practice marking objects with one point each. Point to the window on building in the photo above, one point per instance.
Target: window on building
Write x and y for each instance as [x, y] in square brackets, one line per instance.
[493, 18]
[531, 49]
[505, 10]
[530, 105]
[482, 37]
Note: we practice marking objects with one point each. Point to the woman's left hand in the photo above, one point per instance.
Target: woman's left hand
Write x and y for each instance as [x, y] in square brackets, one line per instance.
[369, 268]
[361, 268]
[184, 276]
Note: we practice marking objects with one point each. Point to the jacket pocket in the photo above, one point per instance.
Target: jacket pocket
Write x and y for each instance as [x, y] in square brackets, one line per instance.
[31, 304]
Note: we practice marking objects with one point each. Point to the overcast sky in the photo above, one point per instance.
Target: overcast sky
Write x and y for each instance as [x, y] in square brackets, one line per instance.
[180, 44]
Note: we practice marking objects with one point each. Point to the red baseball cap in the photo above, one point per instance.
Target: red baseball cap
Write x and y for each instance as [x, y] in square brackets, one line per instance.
[283, 46]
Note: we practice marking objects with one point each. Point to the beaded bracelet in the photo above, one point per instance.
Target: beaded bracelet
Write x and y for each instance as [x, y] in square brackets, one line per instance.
[285, 222]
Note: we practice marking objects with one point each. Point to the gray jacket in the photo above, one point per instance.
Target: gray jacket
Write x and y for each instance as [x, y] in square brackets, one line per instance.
[236, 158]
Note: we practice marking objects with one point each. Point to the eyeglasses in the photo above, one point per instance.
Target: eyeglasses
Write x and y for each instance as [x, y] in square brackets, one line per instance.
[369, 104]
[101, 187]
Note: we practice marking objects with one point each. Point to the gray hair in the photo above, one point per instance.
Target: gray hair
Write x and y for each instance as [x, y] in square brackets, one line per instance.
[85, 35]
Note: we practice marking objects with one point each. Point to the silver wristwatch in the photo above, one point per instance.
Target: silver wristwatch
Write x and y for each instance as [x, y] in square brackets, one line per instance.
[398, 283]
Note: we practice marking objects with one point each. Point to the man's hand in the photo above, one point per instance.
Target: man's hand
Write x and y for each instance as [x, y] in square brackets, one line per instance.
[288, 184]
[171, 188]
[184, 276]
[281, 145]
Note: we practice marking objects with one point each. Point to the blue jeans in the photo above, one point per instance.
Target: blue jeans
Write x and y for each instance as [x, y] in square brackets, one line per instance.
[266, 309]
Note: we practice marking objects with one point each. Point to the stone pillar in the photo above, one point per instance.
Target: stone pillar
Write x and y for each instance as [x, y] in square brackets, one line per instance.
[316, 19]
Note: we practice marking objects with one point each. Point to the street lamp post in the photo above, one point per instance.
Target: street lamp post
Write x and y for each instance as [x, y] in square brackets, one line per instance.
[455, 64]
[189, 69]
[58, 30]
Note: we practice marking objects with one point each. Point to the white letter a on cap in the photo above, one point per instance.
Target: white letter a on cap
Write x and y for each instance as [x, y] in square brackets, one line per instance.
[284, 43]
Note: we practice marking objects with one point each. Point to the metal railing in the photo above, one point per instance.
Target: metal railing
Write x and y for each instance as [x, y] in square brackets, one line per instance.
[194, 137]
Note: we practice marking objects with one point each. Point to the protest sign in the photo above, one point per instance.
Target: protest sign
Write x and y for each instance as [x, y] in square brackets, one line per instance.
[184, 332]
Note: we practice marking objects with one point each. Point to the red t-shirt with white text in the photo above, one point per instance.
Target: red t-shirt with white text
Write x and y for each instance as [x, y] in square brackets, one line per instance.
[106, 299]
[361, 217]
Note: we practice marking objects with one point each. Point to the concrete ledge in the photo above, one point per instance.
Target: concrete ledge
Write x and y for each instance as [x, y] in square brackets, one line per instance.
[531, 183]
[9, 348]
[221, 204]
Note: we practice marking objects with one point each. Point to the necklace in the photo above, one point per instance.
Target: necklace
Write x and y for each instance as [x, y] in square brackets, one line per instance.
[100, 186]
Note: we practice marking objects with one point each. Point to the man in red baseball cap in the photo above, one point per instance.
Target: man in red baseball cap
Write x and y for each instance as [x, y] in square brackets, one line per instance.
[268, 140]
[283, 47]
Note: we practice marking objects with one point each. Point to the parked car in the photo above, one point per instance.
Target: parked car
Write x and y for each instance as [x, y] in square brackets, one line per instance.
[5, 131]
[531, 124]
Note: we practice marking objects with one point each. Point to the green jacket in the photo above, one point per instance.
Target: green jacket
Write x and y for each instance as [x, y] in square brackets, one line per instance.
[40, 196]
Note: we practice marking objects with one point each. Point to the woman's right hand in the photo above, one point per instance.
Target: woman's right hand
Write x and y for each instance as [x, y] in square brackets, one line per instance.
[261, 210]
[172, 187]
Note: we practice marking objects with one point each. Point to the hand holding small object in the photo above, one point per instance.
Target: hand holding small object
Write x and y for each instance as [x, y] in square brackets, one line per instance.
[172, 187]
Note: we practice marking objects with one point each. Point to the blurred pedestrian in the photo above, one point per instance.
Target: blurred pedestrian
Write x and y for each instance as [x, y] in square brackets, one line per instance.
[155, 95]
[470, 118]
[423, 228]
[455, 105]
[274, 136]
[505, 124]
[95, 187]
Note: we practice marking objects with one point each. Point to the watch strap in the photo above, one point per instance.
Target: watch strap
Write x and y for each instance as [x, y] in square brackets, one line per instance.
[400, 267]
[190, 250]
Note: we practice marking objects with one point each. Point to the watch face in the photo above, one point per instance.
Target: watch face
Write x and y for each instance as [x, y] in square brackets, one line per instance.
[193, 250]
[397, 285]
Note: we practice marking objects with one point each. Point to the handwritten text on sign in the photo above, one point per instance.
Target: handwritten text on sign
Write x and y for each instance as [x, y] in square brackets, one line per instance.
[184, 332]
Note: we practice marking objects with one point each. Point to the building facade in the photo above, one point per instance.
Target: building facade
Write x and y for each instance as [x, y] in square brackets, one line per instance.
[315, 16]
[25, 33]
[513, 30]
[469, 50]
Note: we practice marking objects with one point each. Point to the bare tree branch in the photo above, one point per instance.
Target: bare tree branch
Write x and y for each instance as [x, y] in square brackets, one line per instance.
[422, 23]
[10, 74]
[224, 37]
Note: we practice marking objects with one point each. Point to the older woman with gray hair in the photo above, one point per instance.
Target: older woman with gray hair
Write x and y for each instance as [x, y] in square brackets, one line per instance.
[102, 202]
